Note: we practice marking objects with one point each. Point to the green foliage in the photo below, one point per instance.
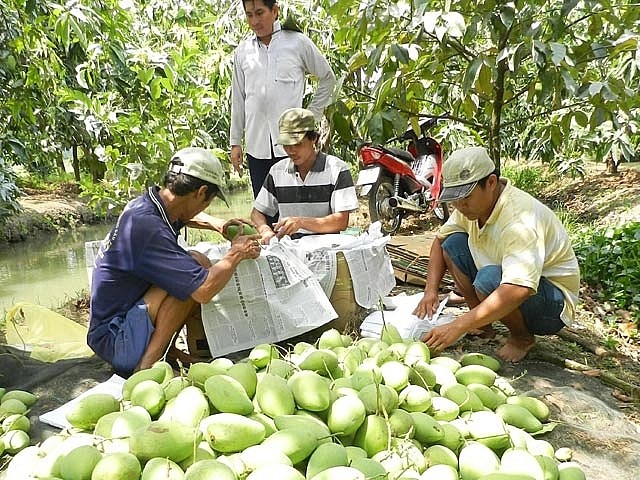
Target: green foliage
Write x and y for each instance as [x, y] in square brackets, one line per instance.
[609, 259]
[9, 192]
[123, 84]
[530, 179]
[526, 76]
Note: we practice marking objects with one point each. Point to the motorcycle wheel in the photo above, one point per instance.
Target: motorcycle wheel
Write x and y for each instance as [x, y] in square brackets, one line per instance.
[379, 209]
[441, 211]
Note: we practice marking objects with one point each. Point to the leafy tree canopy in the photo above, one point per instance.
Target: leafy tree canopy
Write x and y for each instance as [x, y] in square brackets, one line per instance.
[122, 83]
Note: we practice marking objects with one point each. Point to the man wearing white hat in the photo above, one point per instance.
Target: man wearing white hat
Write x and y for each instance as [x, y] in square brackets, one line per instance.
[145, 285]
[509, 255]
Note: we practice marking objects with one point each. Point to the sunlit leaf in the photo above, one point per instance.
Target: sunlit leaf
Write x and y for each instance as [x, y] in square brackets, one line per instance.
[595, 88]
[400, 53]
[455, 24]
[430, 21]
[506, 15]
[558, 52]
[156, 88]
[471, 74]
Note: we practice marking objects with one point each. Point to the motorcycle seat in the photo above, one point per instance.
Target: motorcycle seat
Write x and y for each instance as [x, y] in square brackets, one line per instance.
[398, 153]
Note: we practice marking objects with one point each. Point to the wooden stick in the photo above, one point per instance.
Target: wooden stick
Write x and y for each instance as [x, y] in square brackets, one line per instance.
[632, 390]
[583, 342]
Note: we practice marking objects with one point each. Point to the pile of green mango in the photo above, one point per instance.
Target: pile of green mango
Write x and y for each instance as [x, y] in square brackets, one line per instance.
[14, 423]
[340, 409]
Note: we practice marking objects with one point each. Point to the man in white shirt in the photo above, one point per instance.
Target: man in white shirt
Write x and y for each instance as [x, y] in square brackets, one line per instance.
[269, 69]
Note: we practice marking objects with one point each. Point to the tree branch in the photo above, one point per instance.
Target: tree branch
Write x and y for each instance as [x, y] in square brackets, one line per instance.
[546, 112]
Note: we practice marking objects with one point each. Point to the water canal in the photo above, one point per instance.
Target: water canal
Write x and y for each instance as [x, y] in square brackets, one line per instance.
[51, 268]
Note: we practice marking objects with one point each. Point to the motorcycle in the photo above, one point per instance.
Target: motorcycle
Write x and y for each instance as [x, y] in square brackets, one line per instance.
[403, 182]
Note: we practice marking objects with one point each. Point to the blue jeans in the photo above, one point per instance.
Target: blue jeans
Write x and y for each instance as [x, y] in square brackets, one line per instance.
[541, 312]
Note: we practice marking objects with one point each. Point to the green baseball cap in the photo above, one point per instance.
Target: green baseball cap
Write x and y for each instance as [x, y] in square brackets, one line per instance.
[462, 170]
[200, 163]
[294, 124]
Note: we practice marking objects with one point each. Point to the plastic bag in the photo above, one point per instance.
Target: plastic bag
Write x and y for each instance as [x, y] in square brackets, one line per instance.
[48, 335]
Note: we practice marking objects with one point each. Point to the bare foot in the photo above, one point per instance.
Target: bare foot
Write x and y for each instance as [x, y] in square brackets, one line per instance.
[455, 298]
[484, 332]
[516, 348]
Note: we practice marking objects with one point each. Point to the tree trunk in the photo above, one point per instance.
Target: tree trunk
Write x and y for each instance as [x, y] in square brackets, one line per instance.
[76, 164]
[495, 147]
[612, 166]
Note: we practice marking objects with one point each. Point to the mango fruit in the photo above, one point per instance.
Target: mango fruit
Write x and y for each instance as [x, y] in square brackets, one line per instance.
[476, 358]
[85, 413]
[227, 394]
[296, 444]
[274, 396]
[233, 230]
[25, 397]
[310, 390]
[230, 432]
[171, 440]
[519, 417]
[79, 463]
[326, 456]
[162, 469]
[209, 470]
[117, 466]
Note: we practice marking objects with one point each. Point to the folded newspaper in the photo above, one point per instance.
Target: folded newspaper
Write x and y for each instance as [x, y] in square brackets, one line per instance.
[398, 312]
[285, 292]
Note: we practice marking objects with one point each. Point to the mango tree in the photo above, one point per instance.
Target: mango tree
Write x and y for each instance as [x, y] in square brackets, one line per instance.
[542, 79]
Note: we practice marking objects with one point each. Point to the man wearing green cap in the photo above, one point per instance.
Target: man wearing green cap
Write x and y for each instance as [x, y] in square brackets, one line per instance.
[145, 285]
[311, 192]
[509, 255]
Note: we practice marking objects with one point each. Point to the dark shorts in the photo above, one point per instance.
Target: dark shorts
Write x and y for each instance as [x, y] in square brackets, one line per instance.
[541, 311]
[123, 340]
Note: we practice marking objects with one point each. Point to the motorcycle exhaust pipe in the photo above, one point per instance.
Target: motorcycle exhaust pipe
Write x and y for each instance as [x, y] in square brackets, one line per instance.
[404, 204]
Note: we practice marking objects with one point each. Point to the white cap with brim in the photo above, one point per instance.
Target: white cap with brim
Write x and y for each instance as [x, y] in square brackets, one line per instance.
[200, 163]
[462, 171]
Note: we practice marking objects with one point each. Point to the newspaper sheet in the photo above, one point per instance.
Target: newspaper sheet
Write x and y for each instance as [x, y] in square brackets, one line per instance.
[286, 291]
[398, 312]
[369, 262]
[267, 300]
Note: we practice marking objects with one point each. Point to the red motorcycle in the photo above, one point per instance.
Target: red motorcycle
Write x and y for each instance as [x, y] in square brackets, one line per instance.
[403, 182]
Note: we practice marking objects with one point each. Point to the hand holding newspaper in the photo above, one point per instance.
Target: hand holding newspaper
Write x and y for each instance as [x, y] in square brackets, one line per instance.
[409, 325]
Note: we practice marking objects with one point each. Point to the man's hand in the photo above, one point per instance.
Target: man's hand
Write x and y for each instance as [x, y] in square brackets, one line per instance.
[236, 159]
[266, 234]
[248, 246]
[439, 338]
[427, 306]
[287, 226]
